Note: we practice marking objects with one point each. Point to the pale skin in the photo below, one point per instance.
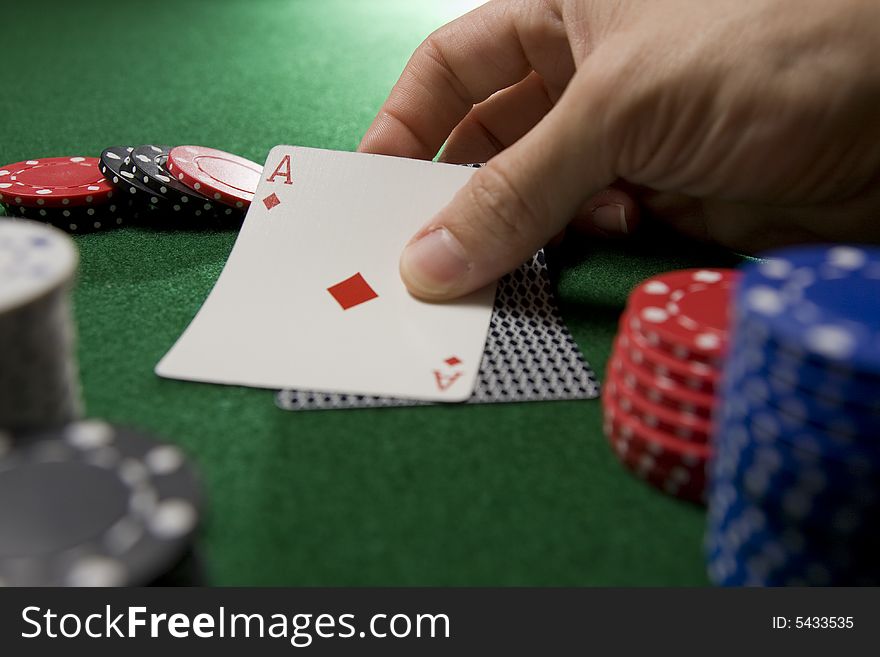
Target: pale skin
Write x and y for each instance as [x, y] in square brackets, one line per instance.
[753, 123]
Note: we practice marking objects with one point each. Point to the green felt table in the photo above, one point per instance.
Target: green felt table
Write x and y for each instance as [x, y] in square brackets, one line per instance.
[516, 494]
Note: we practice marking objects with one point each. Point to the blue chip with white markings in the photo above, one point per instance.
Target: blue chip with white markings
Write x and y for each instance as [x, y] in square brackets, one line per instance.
[795, 482]
[837, 383]
[822, 302]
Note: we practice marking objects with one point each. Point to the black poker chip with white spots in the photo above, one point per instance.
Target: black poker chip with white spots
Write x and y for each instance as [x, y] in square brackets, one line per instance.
[92, 504]
[147, 164]
[116, 167]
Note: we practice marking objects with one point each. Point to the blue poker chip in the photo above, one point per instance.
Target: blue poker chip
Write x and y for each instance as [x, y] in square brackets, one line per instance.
[812, 498]
[773, 527]
[746, 546]
[819, 301]
[855, 421]
[780, 514]
[800, 421]
[796, 413]
[760, 437]
[786, 484]
[757, 354]
[794, 486]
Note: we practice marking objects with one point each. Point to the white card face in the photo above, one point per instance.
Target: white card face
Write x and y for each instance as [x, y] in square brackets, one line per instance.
[311, 296]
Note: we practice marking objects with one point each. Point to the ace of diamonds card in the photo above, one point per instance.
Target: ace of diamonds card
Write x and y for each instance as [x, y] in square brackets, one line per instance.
[311, 296]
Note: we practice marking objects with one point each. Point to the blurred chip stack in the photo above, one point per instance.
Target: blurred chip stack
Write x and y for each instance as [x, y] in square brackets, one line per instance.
[38, 375]
[795, 486]
[662, 377]
[82, 502]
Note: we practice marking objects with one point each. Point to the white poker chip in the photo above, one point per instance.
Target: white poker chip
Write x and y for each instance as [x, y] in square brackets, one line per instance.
[35, 259]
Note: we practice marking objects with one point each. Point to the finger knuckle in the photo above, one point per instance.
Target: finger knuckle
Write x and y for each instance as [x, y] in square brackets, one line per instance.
[431, 56]
[502, 210]
[432, 51]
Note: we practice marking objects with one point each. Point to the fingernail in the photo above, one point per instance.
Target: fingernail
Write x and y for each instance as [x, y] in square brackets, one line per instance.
[611, 219]
[434, 263]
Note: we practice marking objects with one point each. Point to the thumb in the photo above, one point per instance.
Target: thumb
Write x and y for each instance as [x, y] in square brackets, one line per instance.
[511, 207]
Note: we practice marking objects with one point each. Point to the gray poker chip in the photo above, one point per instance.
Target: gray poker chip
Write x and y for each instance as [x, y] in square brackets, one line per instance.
[92, 504]
[34, 262]
[39, 386]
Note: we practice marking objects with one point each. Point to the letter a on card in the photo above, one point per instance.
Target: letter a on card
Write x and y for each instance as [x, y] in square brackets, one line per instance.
[283, 170]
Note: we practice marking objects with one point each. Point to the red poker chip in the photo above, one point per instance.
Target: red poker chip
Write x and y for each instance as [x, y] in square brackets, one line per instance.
[660, 442]
[661, 389]
[686, 426]
[693, 375]
[221, 176]
[634, 326]
[686, 312]
[54, 182]
[670, 471]
[680, 479]
[651, 454]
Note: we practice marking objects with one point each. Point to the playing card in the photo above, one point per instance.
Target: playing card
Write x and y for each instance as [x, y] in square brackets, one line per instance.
[311, 296]
[529, 355]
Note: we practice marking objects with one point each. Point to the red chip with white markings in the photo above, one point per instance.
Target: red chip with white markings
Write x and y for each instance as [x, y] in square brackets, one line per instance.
[659, 364]
[679, 481]
[686, 426]
[686, 312]
[632, 428]
[664, 370]
[55, 182]
[223, 177]
[660, 389]
[674, 466]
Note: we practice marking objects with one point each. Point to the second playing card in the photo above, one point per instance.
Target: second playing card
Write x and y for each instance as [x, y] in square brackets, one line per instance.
[311, 296]
[530, 354]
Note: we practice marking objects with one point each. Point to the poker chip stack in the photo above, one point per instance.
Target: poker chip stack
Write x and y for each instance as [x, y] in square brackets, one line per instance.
[38, 376]
[92, 504]
[662, 378]
[67, 192]
[131, 183]
[189, 182]
[795, 486]
[82, 503]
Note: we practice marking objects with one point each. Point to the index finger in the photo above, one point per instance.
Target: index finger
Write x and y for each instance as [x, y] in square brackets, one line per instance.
[456, 67]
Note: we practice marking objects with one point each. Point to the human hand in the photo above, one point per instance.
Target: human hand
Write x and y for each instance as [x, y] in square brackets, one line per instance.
[750, 123]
